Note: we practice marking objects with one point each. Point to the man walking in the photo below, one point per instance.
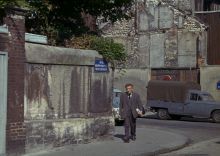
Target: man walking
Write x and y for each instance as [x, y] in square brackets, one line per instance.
[130, 109]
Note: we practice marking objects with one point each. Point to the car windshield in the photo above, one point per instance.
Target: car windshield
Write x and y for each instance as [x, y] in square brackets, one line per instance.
[116, 101]
[116, 98]
[115, 105]
[207, 97]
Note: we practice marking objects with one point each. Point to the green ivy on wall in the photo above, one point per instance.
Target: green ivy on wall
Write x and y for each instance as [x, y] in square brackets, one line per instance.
[111, 51]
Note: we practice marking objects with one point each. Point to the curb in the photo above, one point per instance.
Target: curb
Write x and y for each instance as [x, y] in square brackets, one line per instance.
[168, 150]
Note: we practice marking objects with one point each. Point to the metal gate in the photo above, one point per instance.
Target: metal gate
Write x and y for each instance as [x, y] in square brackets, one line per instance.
[3, 100]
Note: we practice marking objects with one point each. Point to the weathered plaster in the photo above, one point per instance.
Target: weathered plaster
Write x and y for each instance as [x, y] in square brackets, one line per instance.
[66, 101]
[209, 78]
[47, 134]
[157, 50]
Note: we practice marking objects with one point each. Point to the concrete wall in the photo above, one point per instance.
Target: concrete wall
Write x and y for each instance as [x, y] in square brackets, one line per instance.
[48, 134]
[187, 49]
[209, 78]
[157, 50]
[66, 101]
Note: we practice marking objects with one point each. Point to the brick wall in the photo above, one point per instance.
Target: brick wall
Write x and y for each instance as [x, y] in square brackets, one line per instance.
[15, 109]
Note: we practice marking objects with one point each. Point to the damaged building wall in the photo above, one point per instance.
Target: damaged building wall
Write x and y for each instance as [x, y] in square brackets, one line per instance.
[160, 36]
[61, 104]
[177, 32]
[186, 6]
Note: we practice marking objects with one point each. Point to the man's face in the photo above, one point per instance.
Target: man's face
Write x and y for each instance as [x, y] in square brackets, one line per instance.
[129, 89]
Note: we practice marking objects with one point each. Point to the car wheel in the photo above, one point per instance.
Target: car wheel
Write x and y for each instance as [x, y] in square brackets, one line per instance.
[163, 114]
[216, 116]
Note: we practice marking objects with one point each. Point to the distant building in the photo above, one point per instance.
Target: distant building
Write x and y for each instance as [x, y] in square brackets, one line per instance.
[208, 11]
[162, 38]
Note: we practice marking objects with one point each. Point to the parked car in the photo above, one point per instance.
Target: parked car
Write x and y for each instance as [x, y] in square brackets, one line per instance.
[115, 105]
[174, 99]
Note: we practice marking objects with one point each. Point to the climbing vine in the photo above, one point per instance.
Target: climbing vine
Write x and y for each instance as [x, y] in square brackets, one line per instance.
[111, 51]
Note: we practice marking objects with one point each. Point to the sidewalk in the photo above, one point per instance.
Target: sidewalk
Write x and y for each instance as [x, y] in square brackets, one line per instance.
[205, 148]
[149, 142]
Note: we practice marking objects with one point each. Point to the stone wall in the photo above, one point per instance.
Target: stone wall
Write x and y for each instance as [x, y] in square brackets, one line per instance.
[186, 6]
[66, 101]
[160, 35]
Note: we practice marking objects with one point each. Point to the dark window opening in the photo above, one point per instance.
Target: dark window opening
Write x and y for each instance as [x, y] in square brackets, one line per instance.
[194, 97]
[2, 15]
[199, 98]
[207, 5]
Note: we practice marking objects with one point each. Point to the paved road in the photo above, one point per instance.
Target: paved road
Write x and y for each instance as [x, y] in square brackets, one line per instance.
[196, 129]
[200, 131]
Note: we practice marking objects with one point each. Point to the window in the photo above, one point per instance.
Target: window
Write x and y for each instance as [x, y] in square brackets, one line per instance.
[207, 5]
[193, 96]
[199, 98]
[207, 97]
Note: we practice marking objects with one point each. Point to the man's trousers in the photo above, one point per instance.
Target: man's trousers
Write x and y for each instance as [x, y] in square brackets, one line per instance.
[130, 126]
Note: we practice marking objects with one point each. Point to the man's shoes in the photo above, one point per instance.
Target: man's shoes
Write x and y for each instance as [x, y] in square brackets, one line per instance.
[133, 138]
[126, 140]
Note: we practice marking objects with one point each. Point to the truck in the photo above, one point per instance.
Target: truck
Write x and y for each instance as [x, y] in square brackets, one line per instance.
[175, 99]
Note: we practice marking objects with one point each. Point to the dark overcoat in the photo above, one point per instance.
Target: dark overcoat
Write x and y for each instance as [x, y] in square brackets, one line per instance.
[135, 103]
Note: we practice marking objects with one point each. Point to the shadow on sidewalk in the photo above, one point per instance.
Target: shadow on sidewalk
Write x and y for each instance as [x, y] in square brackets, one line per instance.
[120, 136]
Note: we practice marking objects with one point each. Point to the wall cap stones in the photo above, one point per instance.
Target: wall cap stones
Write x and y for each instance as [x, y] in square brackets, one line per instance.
[35, 38]
[44, 54]
[4, 29]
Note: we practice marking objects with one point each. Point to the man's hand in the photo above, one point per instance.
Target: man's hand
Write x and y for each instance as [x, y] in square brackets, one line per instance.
[139, 112]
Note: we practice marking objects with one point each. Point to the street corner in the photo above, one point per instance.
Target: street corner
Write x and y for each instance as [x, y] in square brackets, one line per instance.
[152, 142]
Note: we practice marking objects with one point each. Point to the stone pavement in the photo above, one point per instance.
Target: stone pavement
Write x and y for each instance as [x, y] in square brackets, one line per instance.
[149, 142]
[205, 148]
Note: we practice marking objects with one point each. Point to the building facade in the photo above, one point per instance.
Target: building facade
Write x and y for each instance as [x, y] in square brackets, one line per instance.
[162, 39]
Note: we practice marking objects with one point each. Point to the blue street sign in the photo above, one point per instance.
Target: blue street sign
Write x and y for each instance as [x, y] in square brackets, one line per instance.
[101, 65]
[218, 85]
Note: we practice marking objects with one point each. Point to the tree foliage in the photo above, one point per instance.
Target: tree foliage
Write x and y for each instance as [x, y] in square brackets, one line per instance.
[110, 50]
[9, 3]
[62, 19]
